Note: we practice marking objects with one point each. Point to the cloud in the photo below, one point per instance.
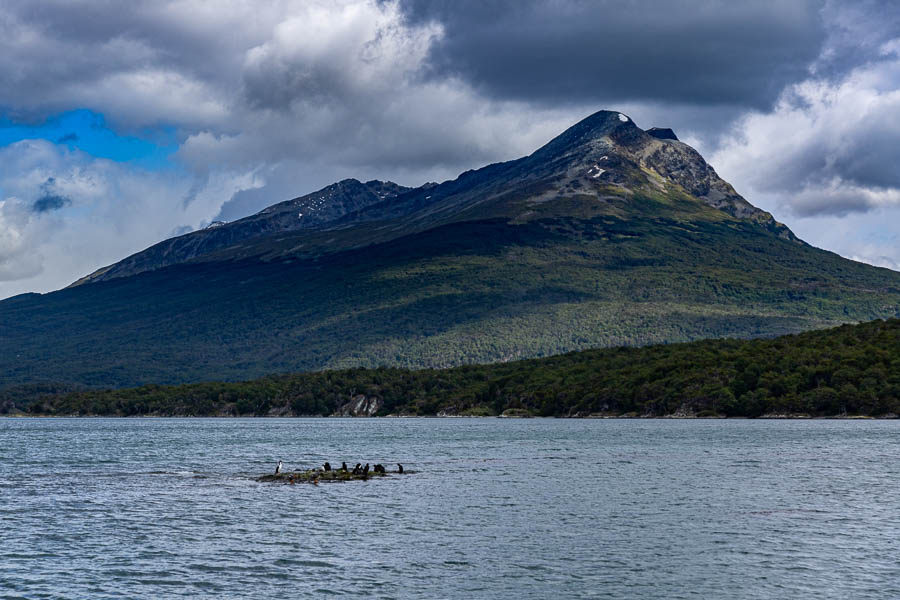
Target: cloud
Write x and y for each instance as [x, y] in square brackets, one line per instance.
[107, 210]
[704, 53]
[324, 54]
[878, 260]
[398, 85]
[867, 237]
[828, 147]
[50, 202]
[157, 62]
[404, 88]
[18, 256]
[49, 199]
[857, 33]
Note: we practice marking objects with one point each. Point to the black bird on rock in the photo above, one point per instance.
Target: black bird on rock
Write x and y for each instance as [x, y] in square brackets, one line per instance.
[344, 467]
[366, 470]
[357, 469]
[399, 468]
[327, 466]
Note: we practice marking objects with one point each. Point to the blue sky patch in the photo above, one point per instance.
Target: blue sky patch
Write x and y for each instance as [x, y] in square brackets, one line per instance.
[87, 131]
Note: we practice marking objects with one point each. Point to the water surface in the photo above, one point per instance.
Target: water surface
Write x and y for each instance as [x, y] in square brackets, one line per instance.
[159, 508]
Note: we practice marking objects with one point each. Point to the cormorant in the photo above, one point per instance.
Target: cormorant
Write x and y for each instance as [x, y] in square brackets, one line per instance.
[327, 467]
[278, 468]
[344, 467]
[399, 468]
[357, 469]
[366, 470]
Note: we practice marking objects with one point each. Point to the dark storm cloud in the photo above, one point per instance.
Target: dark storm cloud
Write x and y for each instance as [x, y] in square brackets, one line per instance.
[684, 51]
[49, 202]
[829, 146]
[49, 199]
[856, 34]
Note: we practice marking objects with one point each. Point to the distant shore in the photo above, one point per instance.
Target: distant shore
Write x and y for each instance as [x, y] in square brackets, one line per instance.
[769, 417]
[845, 372]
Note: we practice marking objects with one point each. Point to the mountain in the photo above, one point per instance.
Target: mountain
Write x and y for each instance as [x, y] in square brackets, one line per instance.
[597, 159]
[607, 235]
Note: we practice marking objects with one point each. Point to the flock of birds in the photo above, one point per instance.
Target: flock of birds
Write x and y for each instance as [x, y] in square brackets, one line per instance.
[358, 470]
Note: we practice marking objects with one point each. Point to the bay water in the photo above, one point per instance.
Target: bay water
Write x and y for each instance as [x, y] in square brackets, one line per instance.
[487, 508]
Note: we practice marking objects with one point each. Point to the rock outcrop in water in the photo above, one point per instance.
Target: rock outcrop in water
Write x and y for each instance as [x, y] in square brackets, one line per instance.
[316, 475]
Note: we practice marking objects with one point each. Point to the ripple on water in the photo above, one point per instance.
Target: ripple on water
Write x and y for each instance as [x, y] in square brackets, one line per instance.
[105, 508]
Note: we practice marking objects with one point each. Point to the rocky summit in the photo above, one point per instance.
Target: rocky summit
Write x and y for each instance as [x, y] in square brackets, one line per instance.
[607, 235]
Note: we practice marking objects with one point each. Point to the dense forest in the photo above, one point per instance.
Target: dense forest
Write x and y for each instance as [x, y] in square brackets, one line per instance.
[848, 370]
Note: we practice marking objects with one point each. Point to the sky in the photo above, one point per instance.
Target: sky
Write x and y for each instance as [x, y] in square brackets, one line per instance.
[124, 124]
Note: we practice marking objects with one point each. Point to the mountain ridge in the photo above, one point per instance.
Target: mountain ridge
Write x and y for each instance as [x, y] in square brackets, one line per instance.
[605, 236]
[342, 197]
[606, 137]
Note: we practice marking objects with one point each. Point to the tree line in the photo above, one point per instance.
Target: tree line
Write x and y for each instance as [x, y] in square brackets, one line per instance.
[848, 370]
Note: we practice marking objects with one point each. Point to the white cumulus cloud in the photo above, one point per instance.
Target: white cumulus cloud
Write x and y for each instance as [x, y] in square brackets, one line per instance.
[111, 210]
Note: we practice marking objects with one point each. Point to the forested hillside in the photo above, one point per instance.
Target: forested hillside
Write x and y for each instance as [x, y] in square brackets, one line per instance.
[849, 370]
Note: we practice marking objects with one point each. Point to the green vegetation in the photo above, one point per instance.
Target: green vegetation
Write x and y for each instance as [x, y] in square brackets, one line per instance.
[524, 259]
[849, 370]
[464, 293]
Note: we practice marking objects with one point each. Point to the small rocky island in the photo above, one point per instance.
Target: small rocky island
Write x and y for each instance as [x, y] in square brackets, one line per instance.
[327, 474]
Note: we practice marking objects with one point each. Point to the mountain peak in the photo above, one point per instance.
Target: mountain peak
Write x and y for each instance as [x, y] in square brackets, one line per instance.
[603, 122]
[608, 148]
[591, 132]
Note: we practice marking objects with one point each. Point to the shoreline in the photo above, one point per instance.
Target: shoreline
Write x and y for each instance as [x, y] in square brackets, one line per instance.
[770, 417]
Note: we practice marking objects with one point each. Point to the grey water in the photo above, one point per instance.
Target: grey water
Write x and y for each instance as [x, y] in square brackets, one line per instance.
[489, 508]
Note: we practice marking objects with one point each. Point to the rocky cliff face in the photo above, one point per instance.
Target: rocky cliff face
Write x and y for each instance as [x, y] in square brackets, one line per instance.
[679, 163]
[608, 147]
[360, 405]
